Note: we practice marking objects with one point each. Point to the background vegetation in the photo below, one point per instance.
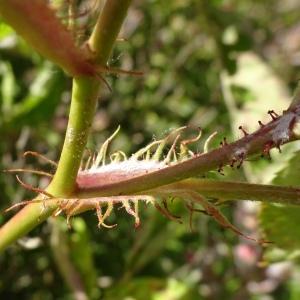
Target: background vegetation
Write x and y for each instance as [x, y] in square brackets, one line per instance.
[214, 64]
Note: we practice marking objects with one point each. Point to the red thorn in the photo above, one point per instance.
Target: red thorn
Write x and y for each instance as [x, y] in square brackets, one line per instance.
[224, 142]
[273, 114]
[261, 124]
[243, 130]
[220, 170]
[241, 160]
[233, 162]
[278, 147]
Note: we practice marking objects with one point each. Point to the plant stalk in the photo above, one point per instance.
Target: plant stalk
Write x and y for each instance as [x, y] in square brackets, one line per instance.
[83, 104]
[259, 142]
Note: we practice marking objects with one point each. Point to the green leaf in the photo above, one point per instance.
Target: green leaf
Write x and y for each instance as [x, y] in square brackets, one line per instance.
[280, 223]
[290, 175]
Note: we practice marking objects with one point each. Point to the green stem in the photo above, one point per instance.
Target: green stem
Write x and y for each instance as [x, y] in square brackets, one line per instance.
[232, 190]
[84, 98]
[107, 28]
[221, 191]
[83, 104]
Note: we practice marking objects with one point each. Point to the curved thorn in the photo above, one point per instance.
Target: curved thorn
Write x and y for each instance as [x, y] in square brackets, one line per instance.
[137, 221]
[144, 150]
[192, 140]
[166, 213]
[28, 171]
[120, 156]
[23, 203]
[87, 164]
[112, 70]
[69, 224]
[101, 218]
[71, 209]
[102, 152]
[133, 212]
[165, 204]
[159, 151]
[218, 216]
[33, 189]
[168, 157]
[191, 209]
[208, 141]
[103, 80]
[36, 154]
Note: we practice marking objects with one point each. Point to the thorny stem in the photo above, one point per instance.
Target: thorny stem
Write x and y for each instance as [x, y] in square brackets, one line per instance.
[277, 132]
[249, 145]
[83, 104]
[220, 191]
[156, 182]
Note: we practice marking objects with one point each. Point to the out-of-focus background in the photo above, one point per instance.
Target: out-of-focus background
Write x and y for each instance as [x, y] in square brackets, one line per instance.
[210, 64]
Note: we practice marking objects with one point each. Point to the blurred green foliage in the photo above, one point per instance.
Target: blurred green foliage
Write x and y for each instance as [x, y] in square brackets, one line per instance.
[214, 64]
[280, 222]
